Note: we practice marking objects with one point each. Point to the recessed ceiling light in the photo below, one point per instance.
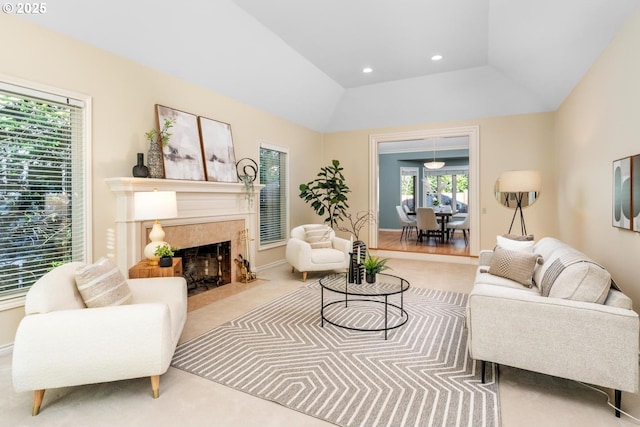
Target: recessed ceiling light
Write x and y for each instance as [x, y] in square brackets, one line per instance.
[436, 57]
[367, 70]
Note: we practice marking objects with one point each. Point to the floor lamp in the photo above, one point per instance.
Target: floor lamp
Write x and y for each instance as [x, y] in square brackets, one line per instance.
[519, 183]
[155, 205]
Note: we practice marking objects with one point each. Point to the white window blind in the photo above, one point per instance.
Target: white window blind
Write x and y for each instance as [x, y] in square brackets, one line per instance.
[42, 206]
[274, 204]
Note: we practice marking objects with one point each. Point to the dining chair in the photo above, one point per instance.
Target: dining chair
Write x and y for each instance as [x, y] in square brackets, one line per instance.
[460, 225]
[428, 224]
[406, 223]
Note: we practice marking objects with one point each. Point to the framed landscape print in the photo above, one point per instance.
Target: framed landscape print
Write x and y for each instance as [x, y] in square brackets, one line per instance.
[622, 193]
[182, 155]
[217, 147]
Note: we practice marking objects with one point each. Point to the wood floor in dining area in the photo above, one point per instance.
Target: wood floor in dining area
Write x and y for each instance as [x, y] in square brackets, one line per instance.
[390, 240]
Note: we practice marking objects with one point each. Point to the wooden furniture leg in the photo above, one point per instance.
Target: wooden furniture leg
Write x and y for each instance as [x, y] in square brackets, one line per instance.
[37, 401]
[304, 276]
[155, 386]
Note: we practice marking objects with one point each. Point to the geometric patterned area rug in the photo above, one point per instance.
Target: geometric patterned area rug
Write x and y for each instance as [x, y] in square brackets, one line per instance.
[421, 375]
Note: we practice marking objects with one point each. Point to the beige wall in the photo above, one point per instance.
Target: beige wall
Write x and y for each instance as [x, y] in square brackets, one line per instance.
[596, 125]
[124, 94]
[506, 143]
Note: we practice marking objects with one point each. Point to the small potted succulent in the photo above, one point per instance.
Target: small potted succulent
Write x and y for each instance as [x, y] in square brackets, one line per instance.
[373, 266]
[165, 252]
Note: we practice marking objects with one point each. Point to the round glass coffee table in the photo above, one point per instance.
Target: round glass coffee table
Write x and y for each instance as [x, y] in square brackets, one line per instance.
[363, 296]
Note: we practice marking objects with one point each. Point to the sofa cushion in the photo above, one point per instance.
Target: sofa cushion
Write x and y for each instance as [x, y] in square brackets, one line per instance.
[582, 281]
[327, 256]
[513, 264]
[484, 277]
[515, 245]
[54, 291]
[101, 284]
[318, 236]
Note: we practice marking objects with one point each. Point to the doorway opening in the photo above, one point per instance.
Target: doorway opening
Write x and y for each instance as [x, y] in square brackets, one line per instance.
[456, 175]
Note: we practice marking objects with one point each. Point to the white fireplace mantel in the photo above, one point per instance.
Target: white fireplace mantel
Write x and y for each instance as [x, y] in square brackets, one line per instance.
[198, 202]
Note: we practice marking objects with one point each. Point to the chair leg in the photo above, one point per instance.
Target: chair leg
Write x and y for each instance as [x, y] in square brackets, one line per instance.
[293, 269]
[466, 240]
[304, 276]
[38, 395]
[155, 386]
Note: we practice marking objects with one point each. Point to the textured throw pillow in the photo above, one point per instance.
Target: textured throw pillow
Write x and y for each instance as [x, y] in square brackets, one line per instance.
[318, 236]
[515, 265]
[515, 245]
[101, 284]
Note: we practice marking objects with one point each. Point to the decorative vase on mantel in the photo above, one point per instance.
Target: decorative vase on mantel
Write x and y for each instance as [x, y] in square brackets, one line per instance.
[140, 170]
[154, 161]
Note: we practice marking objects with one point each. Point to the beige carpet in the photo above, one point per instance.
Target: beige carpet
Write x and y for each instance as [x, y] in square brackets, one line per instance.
[527, 399]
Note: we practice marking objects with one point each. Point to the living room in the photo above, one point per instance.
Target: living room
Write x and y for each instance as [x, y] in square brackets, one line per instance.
[572, 146]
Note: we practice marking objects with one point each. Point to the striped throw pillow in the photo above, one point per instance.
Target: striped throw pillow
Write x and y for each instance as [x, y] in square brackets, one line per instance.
[318, 236]
[101, 284]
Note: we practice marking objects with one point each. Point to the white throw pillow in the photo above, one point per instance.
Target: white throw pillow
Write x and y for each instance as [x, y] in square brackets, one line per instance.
[101, 284]
[515, 245]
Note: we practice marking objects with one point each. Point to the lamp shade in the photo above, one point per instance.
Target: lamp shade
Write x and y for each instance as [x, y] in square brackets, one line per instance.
[519, 181]
[155, 205]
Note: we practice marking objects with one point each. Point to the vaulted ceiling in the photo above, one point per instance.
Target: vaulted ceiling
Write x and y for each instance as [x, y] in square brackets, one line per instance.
[303, 59]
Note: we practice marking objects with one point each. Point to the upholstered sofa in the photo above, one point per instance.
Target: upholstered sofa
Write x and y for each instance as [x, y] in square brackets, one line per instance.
[60, 342]
[315, 247]
[568, 319]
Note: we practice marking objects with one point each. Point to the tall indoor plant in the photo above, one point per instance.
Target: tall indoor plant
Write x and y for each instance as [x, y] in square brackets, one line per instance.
[327, 194]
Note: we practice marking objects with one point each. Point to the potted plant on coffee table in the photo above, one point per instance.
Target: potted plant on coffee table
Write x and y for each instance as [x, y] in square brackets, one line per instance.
[373, 265]
[165, 252]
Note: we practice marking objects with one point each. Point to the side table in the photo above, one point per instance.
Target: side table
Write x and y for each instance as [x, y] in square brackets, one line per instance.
[143, 269]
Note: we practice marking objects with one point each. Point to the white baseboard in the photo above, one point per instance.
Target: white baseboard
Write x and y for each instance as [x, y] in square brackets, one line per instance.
[270, 265]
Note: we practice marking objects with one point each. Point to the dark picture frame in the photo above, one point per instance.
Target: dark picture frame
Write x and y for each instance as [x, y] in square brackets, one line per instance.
[182, 156]
[621, 177]
[218, 152]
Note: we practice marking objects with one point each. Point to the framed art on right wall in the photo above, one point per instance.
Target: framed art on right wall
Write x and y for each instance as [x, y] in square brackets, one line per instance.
[621, 215]
[635, 192]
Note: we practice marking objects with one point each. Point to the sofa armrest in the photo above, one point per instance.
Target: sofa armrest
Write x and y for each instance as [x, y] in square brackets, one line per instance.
[92, 345]
[341, 244]
[484, 259]
[582, 341]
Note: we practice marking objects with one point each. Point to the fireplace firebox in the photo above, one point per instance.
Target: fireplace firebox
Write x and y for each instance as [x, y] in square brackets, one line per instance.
[206, 267]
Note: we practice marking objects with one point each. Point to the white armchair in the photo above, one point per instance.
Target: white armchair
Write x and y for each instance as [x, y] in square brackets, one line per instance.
[304, 258]
[61, 343]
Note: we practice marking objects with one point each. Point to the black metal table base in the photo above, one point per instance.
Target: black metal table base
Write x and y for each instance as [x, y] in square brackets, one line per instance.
[404, 316]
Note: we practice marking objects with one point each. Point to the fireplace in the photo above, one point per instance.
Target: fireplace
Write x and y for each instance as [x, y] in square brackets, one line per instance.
[206, 267]
[208, 213]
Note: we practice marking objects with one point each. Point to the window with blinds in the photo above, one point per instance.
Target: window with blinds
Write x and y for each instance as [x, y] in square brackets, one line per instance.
[274, 204]
[42, 212]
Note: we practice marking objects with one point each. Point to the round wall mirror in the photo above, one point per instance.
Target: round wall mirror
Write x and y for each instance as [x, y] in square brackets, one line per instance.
[518, 187]
[508, 199]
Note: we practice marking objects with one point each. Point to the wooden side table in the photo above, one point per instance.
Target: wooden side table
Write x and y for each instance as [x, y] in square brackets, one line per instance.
[143, 269]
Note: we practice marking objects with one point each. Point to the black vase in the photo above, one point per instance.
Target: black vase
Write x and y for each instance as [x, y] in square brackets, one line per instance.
[370, 277]
[166, 261]
[140, 170]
